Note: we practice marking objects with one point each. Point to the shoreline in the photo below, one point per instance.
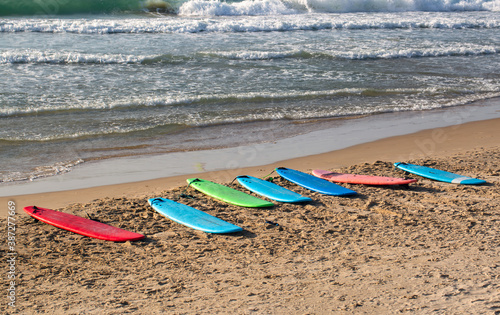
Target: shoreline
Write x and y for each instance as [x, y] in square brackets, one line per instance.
[258, 144]
[431, 247]
[436, 142]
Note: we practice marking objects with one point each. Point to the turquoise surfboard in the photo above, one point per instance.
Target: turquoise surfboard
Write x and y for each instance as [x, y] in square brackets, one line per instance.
[439, 175]
[227, 194]
[314, 183]
[270, 190]
[191, 217]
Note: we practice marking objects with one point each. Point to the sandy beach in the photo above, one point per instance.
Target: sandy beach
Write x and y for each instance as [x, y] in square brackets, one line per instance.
[428, 248]
[106, 104]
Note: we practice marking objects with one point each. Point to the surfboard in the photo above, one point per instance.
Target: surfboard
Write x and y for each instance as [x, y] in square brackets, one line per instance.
[227, 194]
[270, 190]
[361, 179]
[313, 183]
[438, 175]
[82, 226]
[191, 217]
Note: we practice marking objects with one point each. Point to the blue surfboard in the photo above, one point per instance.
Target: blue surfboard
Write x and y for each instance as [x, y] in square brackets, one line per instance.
[192, 217]
[439, 175]
[314, 183]
[270, 190]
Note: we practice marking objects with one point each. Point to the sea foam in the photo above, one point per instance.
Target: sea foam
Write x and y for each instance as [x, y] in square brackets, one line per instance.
[235, 7]
[61, 58]
[300, 22]
[273, 7]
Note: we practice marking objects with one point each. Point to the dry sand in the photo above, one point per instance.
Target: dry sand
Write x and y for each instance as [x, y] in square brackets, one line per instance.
[428, 248]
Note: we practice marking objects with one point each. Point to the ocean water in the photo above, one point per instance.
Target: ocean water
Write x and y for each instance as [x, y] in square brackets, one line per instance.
[91, 80]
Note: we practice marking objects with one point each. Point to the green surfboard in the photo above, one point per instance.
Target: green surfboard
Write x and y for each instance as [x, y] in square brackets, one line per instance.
[227, 194]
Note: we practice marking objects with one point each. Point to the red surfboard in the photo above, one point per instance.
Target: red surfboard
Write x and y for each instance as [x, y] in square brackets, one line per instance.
[361, 179]
[81, 225]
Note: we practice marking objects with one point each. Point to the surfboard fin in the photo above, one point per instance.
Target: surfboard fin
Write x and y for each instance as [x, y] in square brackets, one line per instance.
[91, 218]
[35, 209]
[268, 177]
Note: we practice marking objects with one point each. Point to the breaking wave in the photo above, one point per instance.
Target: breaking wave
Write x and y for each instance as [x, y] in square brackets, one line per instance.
[61, 58]
[235, 7]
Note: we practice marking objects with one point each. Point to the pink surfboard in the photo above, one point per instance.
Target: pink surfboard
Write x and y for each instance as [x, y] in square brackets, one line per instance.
[81, 225]
[361, 179]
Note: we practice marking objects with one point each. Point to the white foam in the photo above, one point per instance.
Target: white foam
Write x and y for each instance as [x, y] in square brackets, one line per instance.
[395, 5]
[469, 50]
[42, 172]
[173, 101]
[283, 7]
[266, 23]
[217, 8]
[418, 53]
[55, 57]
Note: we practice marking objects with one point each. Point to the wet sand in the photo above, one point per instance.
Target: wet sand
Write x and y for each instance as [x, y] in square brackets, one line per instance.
[436, 142]
[429, 248]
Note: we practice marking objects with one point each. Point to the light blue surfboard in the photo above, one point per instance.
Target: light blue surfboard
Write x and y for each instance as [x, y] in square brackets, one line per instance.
[192, 217]
[439, 175]
[270, 190]
[314, 183]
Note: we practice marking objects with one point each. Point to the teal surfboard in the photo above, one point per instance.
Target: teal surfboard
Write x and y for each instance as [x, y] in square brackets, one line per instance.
[439, 175]
[314, 183]
[270, 190]
[191, 217]
[227, 194]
